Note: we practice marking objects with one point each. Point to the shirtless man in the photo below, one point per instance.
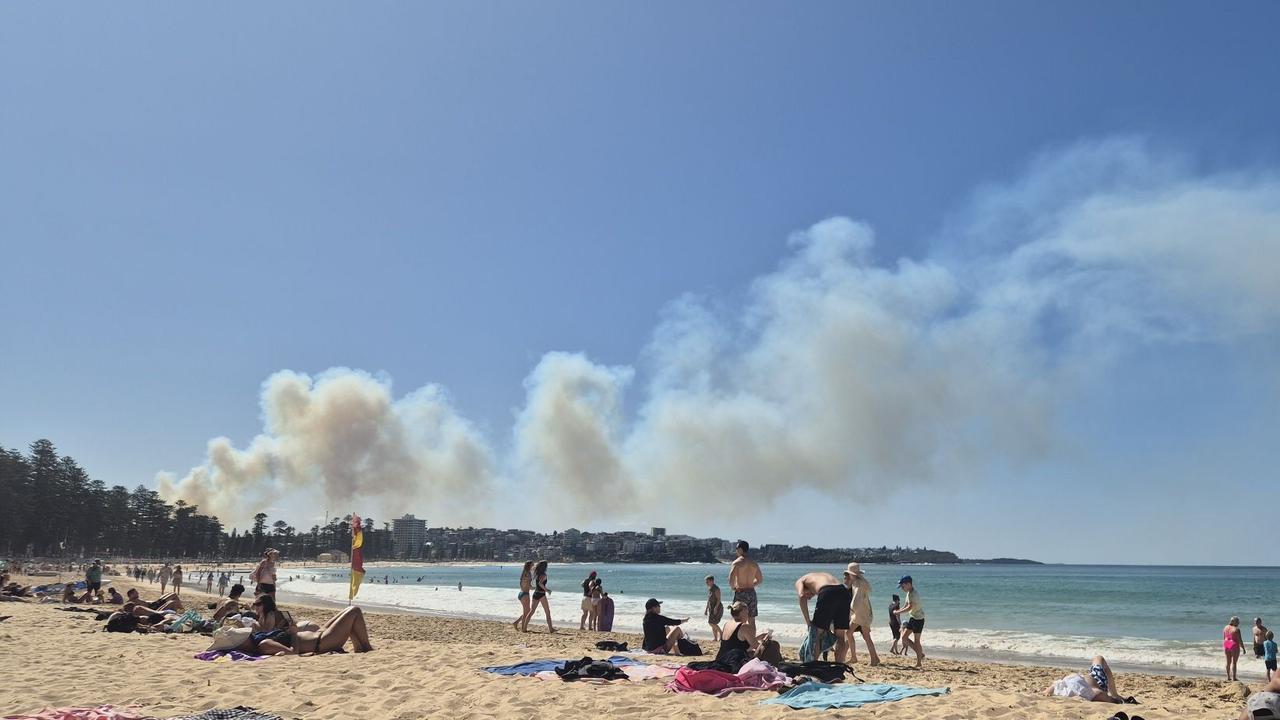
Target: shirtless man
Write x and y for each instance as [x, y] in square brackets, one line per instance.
[744, 576]
[830, 622]
[1259, 637]
[231, 605]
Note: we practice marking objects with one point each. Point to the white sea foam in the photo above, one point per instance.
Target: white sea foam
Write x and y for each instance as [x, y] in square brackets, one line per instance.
[1001, 645]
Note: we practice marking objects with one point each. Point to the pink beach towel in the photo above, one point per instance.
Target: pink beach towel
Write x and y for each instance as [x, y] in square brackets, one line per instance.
[102, 712]
[755, 675]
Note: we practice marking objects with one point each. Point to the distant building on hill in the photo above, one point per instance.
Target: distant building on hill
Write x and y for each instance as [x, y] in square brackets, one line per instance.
[658, 532]
[408, 534]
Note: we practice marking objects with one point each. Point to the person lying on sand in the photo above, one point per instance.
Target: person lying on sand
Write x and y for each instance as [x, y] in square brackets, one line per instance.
[168, 601]
[1096, 684]
[278, 636]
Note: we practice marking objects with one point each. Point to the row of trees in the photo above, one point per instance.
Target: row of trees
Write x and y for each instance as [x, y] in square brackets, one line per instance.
[52, 508]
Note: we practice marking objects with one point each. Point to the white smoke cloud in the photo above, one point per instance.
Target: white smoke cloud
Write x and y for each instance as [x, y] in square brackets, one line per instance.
[838, 374]
[343, 433]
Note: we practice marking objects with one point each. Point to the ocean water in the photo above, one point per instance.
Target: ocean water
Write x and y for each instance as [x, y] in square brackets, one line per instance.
[1167, 619]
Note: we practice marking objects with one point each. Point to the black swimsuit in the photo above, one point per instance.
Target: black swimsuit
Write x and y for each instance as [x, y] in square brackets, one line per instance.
[731, 641]
[541, 589]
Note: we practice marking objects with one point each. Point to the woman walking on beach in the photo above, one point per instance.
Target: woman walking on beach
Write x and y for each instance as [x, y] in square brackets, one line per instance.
[526, 584]
[1231, 646]
[177, 581]
[540, 594]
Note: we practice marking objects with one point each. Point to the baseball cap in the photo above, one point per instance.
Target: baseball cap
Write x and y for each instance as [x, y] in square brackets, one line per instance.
[905, 579]
[651, 603]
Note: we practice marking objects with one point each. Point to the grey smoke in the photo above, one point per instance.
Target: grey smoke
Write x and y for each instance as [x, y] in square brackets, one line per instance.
[842, 373]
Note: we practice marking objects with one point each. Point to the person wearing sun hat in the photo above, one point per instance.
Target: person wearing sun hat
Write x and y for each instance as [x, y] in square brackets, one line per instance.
[914, 609]
[860, 606]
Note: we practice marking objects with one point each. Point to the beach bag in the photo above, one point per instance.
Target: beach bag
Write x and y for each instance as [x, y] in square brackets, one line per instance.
[229, 637]
[688, 647]
[820, 670]
[612, 645]
[770, 651]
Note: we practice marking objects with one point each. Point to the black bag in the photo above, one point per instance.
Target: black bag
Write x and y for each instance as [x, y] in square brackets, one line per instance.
[122, 622]
[820, 670]
[588, 668]
[688, 647]
[611, 645]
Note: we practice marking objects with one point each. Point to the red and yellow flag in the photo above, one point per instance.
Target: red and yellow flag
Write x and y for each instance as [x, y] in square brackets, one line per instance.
[357, 556]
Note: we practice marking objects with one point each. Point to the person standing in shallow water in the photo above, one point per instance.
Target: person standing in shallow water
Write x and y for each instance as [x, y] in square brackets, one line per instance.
[1259, 637]
[745, 577]
[715, 607]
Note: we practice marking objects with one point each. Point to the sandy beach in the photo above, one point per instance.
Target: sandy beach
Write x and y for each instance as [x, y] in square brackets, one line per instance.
[430, 667]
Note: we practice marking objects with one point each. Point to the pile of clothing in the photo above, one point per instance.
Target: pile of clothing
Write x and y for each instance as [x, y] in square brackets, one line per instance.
[754, 674]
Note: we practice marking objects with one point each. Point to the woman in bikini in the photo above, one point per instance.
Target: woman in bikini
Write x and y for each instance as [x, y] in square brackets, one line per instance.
[277, 636]
[526, 583]
[540, 594]
[1231, 645]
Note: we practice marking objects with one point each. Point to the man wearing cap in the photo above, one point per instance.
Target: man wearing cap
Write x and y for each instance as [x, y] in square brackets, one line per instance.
[656, 635]
[915, 623]
[744, 576]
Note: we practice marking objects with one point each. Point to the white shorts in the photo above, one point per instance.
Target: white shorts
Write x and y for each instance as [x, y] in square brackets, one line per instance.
[586, 603]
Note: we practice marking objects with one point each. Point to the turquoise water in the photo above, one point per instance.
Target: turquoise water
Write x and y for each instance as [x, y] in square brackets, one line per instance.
[1167, 618]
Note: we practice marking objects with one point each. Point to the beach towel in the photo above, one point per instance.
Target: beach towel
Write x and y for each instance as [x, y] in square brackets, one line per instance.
[236, 713]
[216, 655]
[533, 667]
[102, 712]
[816, 642]
[823, 696]
[755, 675]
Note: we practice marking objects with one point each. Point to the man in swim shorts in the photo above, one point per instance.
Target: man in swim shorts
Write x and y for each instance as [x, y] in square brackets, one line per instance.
[744, 577]
[830, 623]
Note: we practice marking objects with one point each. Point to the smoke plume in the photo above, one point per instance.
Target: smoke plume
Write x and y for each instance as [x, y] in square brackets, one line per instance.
[842, 373]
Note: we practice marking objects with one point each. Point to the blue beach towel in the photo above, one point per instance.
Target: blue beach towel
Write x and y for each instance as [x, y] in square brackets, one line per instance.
[534, 667]
[821, 695]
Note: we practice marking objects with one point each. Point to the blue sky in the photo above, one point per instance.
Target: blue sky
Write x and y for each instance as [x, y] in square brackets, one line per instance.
[192, 200]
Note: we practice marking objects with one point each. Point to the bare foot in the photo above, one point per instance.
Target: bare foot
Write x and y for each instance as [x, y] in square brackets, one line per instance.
[875, 662]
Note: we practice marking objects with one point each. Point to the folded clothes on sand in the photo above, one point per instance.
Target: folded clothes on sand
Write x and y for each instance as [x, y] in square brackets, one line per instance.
[755, 675]
[216, 655]
[236, 713]
[821, 695]
[101, 712]
[533, 667]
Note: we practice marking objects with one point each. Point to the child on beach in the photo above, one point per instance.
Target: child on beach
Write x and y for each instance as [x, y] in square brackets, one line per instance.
[1269, 653]
[895, 624]
[915, 620]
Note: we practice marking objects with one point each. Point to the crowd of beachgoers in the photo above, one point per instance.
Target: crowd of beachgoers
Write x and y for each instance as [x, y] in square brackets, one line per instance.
[253, 625]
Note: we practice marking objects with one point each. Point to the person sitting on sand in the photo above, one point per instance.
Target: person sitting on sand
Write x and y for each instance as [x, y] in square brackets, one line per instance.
[231, 605]
[1096, 684]
[68, 593]
[113, 597]
[740, 632]
[657, 637]
[276, 636]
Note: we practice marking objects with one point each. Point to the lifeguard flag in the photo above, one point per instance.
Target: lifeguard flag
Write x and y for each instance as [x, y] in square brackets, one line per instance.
[357, 556]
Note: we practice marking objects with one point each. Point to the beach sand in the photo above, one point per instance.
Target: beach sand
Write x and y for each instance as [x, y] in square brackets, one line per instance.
[428, 667]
